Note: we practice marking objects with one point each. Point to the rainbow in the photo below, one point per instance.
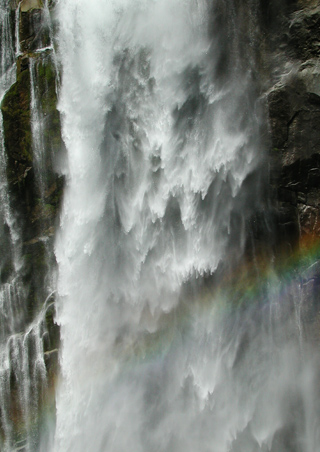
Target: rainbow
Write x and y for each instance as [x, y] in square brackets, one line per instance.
[251, 284]
[247, 285]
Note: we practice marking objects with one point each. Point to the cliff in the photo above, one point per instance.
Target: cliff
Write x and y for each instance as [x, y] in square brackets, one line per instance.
[283, 42]
[293, 103]
[32, 141]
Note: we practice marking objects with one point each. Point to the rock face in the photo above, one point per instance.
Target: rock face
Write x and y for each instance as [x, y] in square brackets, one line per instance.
[32, 138]
[17, 129]
[36, 206]
[304, 33]
[294, 113]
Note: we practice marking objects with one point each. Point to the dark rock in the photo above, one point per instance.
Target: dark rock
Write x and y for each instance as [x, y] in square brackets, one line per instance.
[16, 120]
[309, 221]
[51, 361]
[287, 195]
[38, 214]
[17, 136]
[280, 113]
[304, 33]
[294, 117]
[303, 135]
[34, 34]
[294, 112]
[53, 330]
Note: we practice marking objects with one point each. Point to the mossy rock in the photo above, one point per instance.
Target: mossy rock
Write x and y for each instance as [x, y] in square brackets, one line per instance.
[36, 267]
[6, 256]
[18, 143]
[44, 76]
[46, 82]
[17, 123]
[54, 193]
[38, 214]
[34, 34]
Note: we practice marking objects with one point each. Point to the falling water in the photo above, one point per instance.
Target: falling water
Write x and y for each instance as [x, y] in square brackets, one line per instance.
[37, 127]
[162, 124]
[176, 335]
[17, 30]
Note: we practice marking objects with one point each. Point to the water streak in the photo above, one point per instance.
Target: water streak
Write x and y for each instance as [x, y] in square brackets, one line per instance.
[23, 374]
[17, 30]
[37, 128]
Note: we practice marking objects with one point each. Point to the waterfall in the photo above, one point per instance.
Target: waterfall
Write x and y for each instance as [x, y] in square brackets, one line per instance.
[184, 326]
[162, 122]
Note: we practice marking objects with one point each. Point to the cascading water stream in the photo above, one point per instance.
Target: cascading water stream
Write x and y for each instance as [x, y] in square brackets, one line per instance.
[161, 124]
[17, 30]
[168, 343]
[37, 126]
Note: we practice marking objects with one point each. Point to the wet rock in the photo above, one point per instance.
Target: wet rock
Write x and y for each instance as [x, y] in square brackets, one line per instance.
[51, 359]
[309, 221]
[309, 74]
[304, 33]
[311, 271]
[27, 5]
[34, 33]
[53, 330]
[294, 112]
[17, 134]
[14, 3]
[38, 214]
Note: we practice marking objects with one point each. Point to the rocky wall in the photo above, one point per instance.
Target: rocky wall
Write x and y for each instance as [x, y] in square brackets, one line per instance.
[293, 105]
[32, 138]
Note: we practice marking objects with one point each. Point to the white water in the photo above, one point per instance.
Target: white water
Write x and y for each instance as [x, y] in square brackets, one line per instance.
[159, 146]
[37, 128]
[161, 124]
[17, 30]
[150, 142]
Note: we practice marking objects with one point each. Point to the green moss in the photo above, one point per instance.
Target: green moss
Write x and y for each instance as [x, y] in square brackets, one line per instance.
[17, 121]
[27, 258]
[49, 210]
[17, 118]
